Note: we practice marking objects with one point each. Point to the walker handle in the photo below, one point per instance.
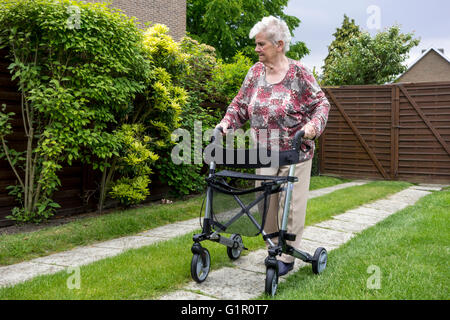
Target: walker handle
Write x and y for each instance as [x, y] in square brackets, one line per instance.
[217, 131]
[298, 139]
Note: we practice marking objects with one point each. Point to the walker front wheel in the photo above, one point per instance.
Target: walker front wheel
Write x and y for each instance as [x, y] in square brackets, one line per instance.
[200, 265]
[271, 281]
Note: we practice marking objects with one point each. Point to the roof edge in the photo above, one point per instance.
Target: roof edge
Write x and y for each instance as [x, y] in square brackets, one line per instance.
[420, 58]
[425, 53]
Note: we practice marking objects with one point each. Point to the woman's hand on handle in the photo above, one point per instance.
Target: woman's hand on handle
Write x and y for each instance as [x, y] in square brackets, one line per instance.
[222, 127]
[310, 131]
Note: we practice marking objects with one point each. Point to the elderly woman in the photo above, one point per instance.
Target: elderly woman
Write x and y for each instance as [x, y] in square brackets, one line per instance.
[280, 96]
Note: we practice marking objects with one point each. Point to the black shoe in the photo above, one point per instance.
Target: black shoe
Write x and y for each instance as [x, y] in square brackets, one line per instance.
[284, 268]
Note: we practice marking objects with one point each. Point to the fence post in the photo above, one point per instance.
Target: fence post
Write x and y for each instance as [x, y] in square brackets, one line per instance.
[395, 119]
[321, 153]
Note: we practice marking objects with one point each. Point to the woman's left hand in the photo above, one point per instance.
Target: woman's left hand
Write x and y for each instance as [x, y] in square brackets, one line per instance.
[310, 132]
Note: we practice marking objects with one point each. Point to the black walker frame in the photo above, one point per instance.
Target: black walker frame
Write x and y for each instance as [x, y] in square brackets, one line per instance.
[200, 264]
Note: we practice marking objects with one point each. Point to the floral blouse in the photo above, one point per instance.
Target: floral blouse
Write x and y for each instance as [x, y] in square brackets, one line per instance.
[277, 111]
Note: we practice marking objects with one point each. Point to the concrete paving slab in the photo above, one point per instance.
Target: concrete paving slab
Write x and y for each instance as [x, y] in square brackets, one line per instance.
[126, 243]
[321, 235]
[370, 211]
[324, 191]
[14, 274]
[390, 206]
[254, 261]
[231, 284]
[192, 222]
[79, 256]
[310, 246]
[341, 225]
[409, 196]
[430, 187]
[185, 295]
[359, 218]
[170, 231]
[425, 188]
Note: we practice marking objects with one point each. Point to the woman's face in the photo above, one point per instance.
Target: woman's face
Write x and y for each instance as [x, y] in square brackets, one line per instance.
[266, 49]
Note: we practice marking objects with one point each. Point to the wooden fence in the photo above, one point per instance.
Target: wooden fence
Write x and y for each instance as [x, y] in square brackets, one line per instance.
[393, 132]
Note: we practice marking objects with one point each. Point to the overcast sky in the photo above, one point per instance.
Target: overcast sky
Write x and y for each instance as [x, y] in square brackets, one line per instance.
[429, 20]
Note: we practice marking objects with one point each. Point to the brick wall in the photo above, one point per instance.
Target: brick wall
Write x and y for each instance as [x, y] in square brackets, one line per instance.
[172, 13]
[432, 67]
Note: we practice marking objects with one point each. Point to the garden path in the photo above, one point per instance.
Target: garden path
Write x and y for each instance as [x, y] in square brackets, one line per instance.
[329, 234]
[246, 280]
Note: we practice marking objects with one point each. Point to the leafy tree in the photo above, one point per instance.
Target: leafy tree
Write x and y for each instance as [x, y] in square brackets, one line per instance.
[342, 36]
[73, 78]
[96, 90]
[370, 60]
[225, 24]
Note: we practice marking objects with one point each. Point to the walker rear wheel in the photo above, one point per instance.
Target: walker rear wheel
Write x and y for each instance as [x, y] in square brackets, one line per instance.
[200, 265]
[235, 252]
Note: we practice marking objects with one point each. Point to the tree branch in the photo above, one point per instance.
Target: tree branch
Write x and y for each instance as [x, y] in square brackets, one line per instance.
[5, 148]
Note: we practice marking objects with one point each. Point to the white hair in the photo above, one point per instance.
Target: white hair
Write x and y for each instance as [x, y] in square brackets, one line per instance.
[275, 29]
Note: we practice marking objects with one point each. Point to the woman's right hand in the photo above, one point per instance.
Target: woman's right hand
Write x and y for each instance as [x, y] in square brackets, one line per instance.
[222, 127]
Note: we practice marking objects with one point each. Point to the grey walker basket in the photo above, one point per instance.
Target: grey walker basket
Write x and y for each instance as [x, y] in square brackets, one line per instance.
[242, 212]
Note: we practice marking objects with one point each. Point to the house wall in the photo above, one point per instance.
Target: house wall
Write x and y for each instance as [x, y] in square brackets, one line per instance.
[432, 67]
[172, 13]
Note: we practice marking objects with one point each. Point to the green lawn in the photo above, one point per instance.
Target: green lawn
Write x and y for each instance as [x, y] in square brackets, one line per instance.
[26, 246]
[406, 256]
[322, 208]
[151, 271]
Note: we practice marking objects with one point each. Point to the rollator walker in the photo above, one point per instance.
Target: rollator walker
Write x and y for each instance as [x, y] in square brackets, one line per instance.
[242, 212]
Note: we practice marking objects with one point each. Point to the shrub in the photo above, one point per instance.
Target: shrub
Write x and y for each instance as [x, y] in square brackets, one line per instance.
[227, 79]
[79, 66]
[157, 111]
[211, 85]
[184, 179]
[133, 165]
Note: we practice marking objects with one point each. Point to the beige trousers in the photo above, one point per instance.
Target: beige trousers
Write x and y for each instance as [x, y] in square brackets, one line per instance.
[297, 213]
